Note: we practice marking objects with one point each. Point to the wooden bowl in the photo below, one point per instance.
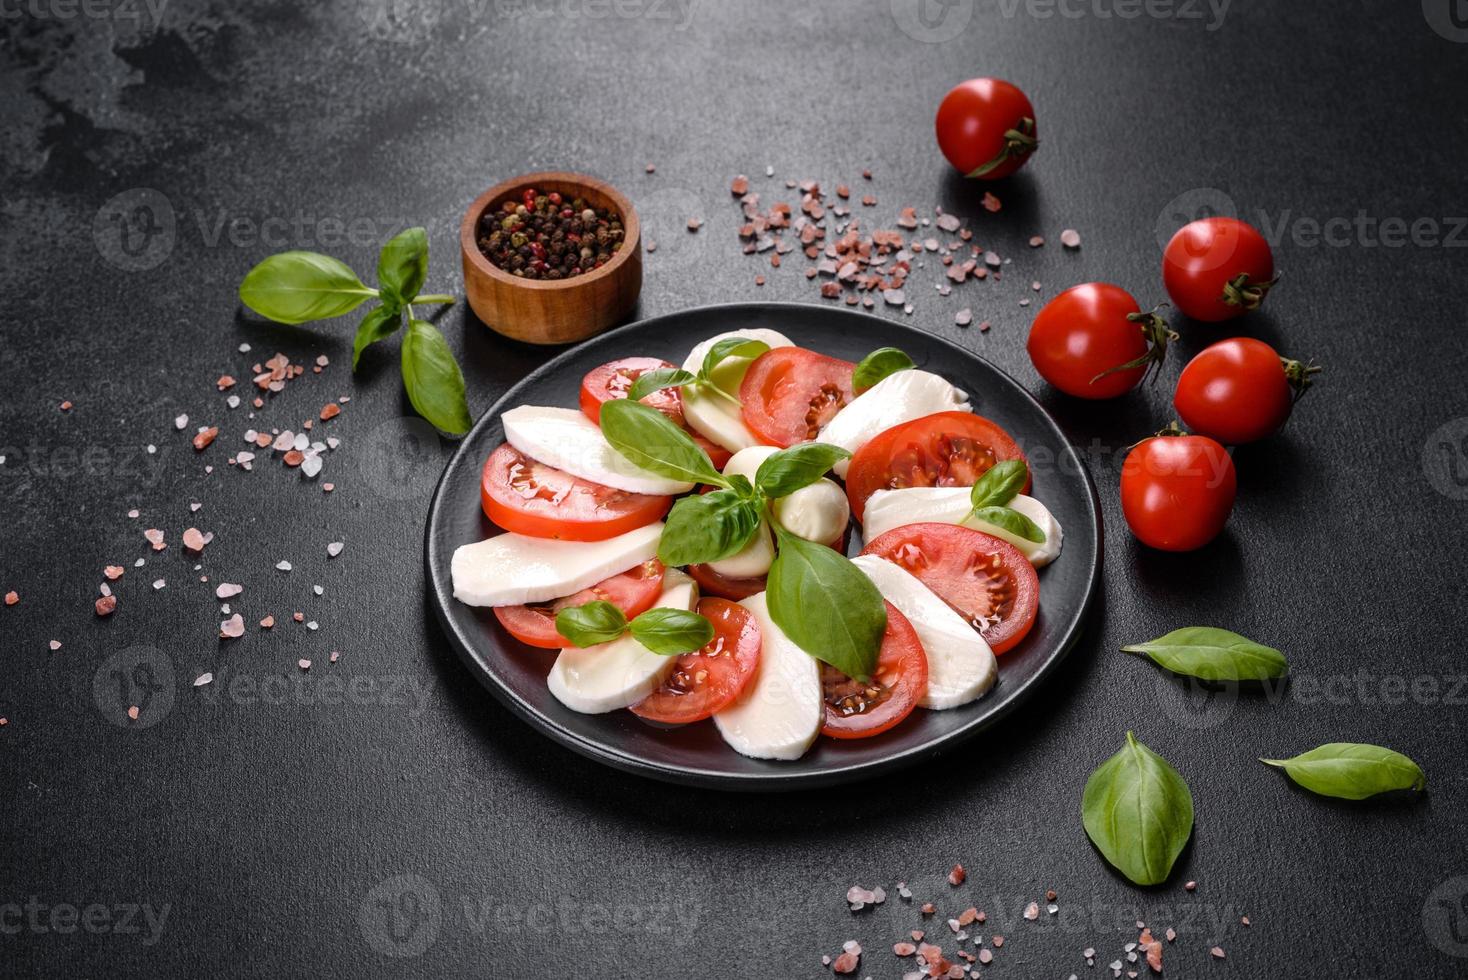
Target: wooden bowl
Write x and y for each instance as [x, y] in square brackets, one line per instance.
[559, 311]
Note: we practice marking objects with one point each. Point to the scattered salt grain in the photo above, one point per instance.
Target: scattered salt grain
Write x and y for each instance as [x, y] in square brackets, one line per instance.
[228, 590]
[334, 549]
[203, 679]
[159, 583]
[303, 664]
[283, 566]
[181, 422]
[54, 645]
[233, 627]
[1070, 238]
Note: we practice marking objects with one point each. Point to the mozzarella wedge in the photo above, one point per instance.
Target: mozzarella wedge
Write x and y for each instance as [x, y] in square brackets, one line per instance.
[511, 569]
[569, 441]
[712, 416]
[897, 398]
[608, 676]
[779, 713]
[961, 667]
[751, 561]
[818, 512]
[888, 509]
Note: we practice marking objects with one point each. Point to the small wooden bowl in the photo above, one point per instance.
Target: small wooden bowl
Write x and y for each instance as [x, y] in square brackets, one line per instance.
[561, 311]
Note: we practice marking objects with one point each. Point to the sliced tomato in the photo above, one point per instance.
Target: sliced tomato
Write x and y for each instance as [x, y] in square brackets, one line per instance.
[612, 380]
[987, 581]
[860, 709]
[716, 583]
[633, 591]
[527, 497]
[708, 680]
[789, 393]
[947, 449]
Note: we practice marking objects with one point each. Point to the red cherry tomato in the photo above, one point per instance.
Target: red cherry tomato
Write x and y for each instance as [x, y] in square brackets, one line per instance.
[1177, 491]
[1092, 340]
[706, 681]
[790, 392]
[527, 497]
[947, 449]
[1217, 268]
[986, 128]
[633, 591]
[1239, 390]
[987, 581]
[860, 709]
[611, 381]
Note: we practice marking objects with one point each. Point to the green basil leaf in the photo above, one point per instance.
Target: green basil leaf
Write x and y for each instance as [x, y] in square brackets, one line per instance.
[380, 323]
[651, 381]
[592, 623]
[671, 632]
[877, 365]
[1352, 771]
[999, 485]
[786, 471]
[1138, 812]
[826, 605]
[1012, 521]
[297, 287]
[402, 265]
[1213, 654]
[730, 347]
[433, 379]
[647, 438]
[704, 527]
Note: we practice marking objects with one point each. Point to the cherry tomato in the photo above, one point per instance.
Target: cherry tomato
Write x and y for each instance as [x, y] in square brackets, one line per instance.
[789, 393]
[987, 581]
[706, 681]
[611, 381]
[986, 128]
[527, 497]
[633, 591]
[857, 709]
[1092, 340]
[1217, 268]
[1177, 491]
[1239, 390]
[946, 449]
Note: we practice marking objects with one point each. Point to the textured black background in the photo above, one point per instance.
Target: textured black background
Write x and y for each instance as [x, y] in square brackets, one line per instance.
[273, 833]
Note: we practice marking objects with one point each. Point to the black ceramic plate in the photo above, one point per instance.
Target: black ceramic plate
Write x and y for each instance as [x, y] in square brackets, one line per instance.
[515, 673]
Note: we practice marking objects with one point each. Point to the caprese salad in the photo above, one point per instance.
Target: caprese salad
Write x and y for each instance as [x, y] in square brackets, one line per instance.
[677, 538]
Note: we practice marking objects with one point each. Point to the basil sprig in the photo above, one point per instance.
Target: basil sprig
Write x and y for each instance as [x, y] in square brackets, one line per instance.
[1138, 812]
[652, 381]
[1352, 771]
[826, 605]
[299, 287]
[993, 492]
[878, 365]
[706, 527]
[1213, 654]
[666, 632]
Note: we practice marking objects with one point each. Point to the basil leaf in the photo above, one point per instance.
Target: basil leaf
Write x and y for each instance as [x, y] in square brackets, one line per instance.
[297, 287]
[1012, 521]
[1000, 484]
[433, 379]
[402, 265]
[651, 381]
[380, 323]
[826, 605]
[590, 624]
[704, 527]
[671, 632]
[1138, 812]
[877, 365]
[646, 438]
[786, 471]
[1213, 654]
[730, 347]
[1352, 771]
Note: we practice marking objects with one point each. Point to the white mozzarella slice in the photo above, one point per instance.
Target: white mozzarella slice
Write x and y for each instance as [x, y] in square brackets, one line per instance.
[510, 569]
[897, 398]
[569, 441]
[888, 509]
[817, 513]
[961, 666]
[712, 416]
[779, 713]
[753, 560]
[608, 676]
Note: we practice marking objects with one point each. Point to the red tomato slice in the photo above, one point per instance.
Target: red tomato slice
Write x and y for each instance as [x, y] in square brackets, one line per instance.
[527, 497]
[708, 680]
[860, 710]
[949, 449]
[611, 381]
[790, 392]
[633, 591]
[987, 581]
[715, 583]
